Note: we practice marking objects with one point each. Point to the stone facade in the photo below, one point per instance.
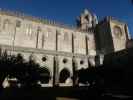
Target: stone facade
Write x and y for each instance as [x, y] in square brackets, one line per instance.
[111, 35]
[53, 45]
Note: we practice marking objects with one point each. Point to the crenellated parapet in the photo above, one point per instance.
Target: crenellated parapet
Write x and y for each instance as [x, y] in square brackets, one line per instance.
[36, 19]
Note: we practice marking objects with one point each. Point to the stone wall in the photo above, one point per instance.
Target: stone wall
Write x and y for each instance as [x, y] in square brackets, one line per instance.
[39, 40]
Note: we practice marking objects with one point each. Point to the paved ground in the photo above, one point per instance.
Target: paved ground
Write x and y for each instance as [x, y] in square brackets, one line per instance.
[83, 93]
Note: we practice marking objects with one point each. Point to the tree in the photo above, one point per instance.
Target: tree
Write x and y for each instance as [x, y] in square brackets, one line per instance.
[26, 72]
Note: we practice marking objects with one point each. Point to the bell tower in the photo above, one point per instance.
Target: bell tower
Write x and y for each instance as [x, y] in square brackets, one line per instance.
[86, 20]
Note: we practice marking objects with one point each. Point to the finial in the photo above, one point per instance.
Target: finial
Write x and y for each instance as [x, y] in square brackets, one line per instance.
[86, 12]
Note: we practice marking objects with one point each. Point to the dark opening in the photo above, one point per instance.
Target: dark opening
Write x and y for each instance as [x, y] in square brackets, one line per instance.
[64, 60]
[64, 74]
[81, 62]
[44, 75]
[82, 75]
[44, 59]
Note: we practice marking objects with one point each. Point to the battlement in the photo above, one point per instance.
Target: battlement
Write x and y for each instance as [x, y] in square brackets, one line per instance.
[41, 20]
[33, 18]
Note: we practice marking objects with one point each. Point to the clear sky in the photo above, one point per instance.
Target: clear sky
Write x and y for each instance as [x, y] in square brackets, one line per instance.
[66, 11]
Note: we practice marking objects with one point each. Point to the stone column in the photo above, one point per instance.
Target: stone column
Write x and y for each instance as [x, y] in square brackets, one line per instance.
[75, 74]
[56, 72]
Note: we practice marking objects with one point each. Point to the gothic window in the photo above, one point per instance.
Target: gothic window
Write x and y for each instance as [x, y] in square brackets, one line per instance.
[18, 23]
[6, 24]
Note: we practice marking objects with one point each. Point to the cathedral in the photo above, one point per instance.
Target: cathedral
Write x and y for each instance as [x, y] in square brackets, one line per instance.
[60, 49]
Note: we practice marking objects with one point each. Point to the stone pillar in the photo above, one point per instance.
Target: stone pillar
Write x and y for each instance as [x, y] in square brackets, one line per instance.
[92, 61]
[75, 74]
[56, 72]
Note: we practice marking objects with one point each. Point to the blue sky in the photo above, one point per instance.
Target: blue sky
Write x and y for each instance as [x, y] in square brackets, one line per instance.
[66, 11]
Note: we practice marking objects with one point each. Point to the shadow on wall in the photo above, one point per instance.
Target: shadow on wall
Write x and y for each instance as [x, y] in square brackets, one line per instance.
[15, 69]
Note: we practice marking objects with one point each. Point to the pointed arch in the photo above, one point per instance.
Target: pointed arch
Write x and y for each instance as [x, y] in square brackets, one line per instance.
[64, 75]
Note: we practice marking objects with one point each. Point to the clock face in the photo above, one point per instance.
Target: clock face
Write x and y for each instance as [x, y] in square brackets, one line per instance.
[117, 31]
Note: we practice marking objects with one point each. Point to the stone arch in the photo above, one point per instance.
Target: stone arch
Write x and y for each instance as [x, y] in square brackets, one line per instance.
[45, 75]
[64, 75]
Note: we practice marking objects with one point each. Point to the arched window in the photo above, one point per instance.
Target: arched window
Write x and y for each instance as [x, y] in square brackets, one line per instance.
[64, 75]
